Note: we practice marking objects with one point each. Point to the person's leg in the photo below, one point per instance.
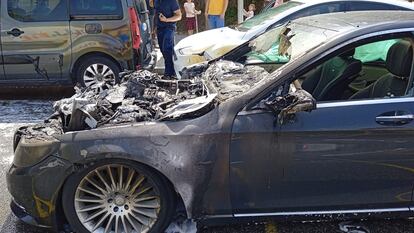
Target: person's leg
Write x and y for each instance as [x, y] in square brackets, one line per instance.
[211, 22]
[168, 47]
[220, 22]
[160, 37]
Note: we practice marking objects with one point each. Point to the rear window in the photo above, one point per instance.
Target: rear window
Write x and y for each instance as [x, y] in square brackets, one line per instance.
[96, 7]
[365, 6]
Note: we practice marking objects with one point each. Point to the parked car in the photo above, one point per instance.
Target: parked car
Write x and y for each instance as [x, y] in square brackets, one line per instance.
[211, 44]
[249, 144]
[62, 42]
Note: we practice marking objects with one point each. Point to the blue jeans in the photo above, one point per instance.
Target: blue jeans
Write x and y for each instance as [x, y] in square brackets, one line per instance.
[214, 21]
[166, 43]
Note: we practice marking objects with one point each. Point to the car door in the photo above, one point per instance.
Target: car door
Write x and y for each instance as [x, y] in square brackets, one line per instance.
[36, 40]
[346, 156]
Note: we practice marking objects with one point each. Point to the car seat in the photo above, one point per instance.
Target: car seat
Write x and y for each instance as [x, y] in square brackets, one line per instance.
[398, 63]
[332, 78]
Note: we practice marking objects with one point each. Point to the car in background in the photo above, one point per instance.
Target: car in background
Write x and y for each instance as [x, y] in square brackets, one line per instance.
[267, 142]
[64, 42]
[214, 43]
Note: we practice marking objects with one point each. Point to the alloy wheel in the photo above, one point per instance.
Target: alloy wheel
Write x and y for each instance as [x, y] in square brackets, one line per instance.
[117, 199]
[97, 76]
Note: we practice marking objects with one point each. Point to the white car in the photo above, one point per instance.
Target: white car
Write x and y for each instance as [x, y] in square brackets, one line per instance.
[214, 43]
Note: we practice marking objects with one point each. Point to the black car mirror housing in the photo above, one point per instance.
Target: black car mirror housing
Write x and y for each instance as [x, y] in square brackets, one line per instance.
[292, 103]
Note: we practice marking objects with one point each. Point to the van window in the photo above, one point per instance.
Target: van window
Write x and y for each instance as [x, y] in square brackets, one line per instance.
[38, 10]
[96, 7]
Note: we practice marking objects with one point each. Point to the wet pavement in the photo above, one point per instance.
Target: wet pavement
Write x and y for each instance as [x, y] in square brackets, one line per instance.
[15, 113]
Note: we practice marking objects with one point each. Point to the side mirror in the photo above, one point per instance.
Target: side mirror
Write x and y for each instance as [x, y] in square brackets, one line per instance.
[299, 101]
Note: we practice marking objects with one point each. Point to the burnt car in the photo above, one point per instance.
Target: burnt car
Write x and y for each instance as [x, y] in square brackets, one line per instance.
[311, 119]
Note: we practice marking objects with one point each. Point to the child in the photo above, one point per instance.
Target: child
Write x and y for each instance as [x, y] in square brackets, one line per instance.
[249, 14]
[278, 3]
[191, 14]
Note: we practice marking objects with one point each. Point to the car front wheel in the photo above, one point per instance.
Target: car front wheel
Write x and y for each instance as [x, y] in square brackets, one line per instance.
[118, 197]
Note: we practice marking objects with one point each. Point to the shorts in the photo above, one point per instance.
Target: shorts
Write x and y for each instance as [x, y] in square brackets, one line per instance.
[190, 23]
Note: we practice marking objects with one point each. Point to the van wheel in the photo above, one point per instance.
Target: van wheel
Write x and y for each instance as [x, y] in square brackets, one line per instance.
[118, 196]
[97, 73]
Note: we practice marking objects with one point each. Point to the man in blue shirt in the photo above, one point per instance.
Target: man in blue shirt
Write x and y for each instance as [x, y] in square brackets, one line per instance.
[167, 14]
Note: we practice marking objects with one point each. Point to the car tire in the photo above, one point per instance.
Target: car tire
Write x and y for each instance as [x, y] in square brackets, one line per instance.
[154, 207]
[97, 72]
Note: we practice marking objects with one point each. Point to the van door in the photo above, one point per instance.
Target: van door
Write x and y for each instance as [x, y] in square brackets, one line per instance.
[36, 40]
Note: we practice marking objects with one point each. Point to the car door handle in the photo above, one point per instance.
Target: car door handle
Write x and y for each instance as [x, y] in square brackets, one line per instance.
[395, 118]
[15, 32]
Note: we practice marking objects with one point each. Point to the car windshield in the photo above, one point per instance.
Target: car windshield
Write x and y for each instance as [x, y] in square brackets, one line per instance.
[266, 15]
[284, 43]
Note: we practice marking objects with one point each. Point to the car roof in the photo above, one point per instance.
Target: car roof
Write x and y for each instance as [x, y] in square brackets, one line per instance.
[357, 19]
[402, 3]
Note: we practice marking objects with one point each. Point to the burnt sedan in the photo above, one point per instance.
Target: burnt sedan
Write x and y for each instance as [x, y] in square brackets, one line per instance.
[311, 119]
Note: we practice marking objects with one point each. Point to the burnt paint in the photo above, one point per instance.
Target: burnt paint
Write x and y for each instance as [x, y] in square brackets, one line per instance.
[37, 188]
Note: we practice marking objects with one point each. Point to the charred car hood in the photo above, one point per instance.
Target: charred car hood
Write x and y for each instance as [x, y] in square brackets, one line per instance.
[147, 98]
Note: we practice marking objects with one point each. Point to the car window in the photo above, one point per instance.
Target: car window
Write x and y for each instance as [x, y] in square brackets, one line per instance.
[380, 69]
[319, 9]
[96, 7]
[38, 10]
[374, 52]
[363, 6]
[266, 16]
[283, 43]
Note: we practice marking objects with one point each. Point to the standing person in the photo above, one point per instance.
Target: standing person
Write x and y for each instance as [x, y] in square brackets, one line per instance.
[150, 6]
[216, 12]
[167, 14]
[249, 14]
[190, 14]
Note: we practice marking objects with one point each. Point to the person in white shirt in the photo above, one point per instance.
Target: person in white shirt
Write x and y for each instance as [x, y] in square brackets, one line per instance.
[249, 14]
[191, 14]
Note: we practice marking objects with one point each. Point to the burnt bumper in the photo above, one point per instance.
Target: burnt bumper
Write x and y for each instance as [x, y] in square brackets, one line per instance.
[25, 217]
[36, 191]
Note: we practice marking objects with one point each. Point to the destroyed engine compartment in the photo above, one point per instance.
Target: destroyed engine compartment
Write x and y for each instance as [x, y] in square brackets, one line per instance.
[145, 96]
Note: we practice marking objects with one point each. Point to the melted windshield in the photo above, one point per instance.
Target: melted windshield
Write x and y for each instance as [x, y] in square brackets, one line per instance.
[287, 42]
[266, 15]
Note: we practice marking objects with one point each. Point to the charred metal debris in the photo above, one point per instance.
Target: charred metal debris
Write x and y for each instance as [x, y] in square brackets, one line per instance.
[145, 96]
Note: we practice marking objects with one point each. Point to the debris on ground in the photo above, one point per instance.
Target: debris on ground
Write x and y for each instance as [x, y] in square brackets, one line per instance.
[146, 96]
[351, 227]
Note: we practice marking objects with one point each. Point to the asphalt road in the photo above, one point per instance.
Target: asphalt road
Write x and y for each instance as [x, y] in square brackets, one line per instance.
[17, 113]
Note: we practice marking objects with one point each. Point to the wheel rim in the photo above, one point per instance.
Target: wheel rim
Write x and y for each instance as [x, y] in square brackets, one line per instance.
[117, 199]
[97, 76]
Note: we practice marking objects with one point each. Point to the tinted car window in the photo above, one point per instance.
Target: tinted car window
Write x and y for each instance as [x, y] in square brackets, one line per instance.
[319, 9]
[38, 10]
[96, 7]
[362, 6]
[266, 16]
